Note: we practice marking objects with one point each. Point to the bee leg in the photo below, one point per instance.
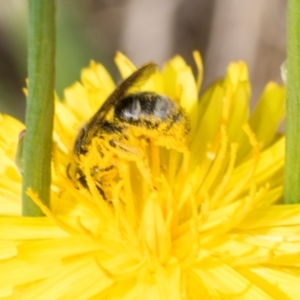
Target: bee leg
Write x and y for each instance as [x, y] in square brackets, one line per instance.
[130, 153]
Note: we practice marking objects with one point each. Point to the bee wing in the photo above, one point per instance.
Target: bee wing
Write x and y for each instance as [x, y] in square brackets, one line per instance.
[137, 78]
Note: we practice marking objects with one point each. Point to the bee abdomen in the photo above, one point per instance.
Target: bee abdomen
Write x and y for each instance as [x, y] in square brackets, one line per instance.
[145, 107]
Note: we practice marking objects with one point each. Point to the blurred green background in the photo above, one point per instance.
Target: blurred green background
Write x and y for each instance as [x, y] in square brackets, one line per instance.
[252, 30]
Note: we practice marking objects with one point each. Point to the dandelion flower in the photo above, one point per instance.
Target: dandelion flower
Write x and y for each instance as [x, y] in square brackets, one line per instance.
[210, 225]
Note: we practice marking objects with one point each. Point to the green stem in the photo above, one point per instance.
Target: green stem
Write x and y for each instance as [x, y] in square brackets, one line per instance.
[292, 161]
[40, 104]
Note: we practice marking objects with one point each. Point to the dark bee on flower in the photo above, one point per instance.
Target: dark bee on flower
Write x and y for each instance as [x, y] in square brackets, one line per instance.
[121, 128]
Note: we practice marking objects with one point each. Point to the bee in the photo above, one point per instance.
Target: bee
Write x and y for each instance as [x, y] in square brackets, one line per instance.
[136, 119]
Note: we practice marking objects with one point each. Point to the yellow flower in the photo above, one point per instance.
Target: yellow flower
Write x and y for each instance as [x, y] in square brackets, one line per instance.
[210, 225]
